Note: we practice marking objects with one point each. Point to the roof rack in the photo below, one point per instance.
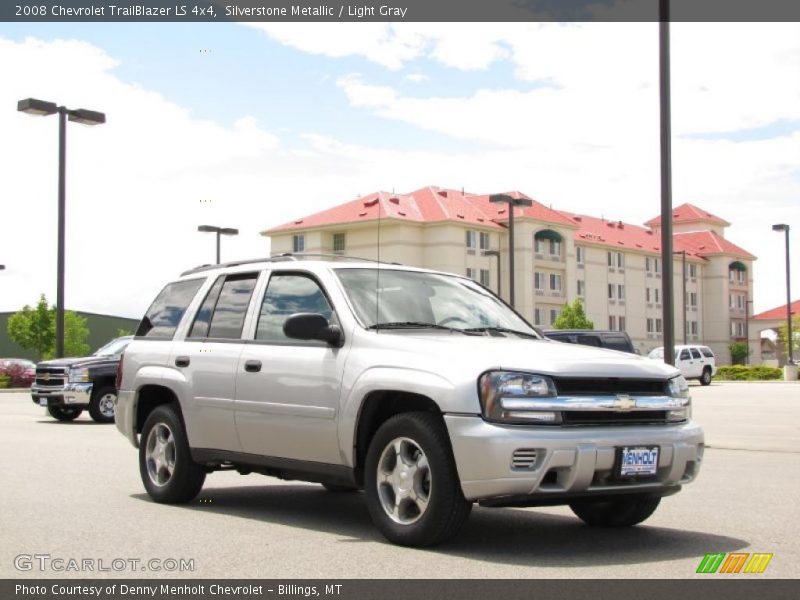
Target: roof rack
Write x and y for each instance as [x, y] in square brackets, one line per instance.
[286, 256]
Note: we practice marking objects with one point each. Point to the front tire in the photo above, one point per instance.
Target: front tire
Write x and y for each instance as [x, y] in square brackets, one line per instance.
[64, 414]
[412, 489]
[165, 463]
[619, 512]
[101, 406]
[705, 378]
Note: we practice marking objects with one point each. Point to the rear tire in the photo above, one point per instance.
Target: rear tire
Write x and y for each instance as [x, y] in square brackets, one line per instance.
[619, 512]
[101, 407]
[64, 414]
[705, 378]
[416, 499]
[165, 463]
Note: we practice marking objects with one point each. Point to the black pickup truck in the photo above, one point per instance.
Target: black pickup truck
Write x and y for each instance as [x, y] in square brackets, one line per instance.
[67, 386]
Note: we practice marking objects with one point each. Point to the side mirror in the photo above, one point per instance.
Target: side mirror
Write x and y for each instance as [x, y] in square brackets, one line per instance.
[312, 326]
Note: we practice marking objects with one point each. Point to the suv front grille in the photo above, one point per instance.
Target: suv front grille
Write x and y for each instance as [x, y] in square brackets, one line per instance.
[596, 417]
[51, 376]
[597, 386]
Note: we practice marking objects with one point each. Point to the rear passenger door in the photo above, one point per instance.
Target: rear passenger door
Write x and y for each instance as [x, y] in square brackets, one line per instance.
[287, 391]
[208, 357]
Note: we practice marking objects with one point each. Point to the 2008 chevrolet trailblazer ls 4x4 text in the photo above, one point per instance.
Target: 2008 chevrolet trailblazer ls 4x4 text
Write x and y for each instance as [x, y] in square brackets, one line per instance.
[421, 388]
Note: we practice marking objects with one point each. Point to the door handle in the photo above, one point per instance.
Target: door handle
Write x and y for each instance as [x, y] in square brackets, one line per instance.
[252, 366]
[182, 361]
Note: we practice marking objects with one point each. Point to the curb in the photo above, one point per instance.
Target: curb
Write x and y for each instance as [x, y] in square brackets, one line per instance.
[15, 390]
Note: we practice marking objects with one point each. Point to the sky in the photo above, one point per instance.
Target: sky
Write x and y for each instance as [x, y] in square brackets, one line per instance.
[254, 125]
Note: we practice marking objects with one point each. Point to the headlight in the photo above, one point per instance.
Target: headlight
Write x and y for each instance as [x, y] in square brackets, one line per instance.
[678, 387]
[79, 375]
[512, 397]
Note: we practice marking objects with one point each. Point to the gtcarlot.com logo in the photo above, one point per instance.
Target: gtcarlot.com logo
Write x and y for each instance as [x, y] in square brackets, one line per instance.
[735, 562]
[60, 564]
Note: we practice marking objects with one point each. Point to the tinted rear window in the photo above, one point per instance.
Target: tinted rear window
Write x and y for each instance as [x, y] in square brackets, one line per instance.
[707, 352]
[231, 307]
[617, 342]
[165, 314]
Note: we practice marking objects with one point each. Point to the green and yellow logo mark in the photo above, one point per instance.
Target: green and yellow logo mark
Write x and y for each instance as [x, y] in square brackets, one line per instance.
[734, 562]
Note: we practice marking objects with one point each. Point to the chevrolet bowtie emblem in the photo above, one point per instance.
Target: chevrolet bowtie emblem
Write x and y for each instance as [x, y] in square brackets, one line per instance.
[47, 376]
[624, 402]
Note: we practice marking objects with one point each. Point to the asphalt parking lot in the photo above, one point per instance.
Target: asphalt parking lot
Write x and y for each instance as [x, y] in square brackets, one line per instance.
[72, 490]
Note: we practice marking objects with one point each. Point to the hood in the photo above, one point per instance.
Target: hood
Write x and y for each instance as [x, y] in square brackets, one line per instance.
[451, 351]
[79, 362]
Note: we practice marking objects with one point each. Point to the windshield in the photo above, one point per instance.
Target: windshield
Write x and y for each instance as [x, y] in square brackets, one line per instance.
[419, 299]
[113, 348]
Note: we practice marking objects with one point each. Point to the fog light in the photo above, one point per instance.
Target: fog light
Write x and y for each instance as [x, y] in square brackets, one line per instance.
[680, 414]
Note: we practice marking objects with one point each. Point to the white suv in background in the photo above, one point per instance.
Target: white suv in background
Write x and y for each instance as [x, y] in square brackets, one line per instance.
[694, 362]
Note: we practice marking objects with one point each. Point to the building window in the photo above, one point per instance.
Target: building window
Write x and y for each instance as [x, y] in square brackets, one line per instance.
[538, 280]
[484, 240]
[553, 315]
[485, 277]
[555, 282]
[652, 265]
[620, 291]
[657, 292]
[555, 248]
[470, 240]
[621, 323]
[730, 301]
[692, 298]
[693, 271]
[612, 322]
[616, 259]
[581, 287]
[691, 327]
[650, 326]
[658, 325]
[647, 294]
[298, 243]
[471, 273]
[612, 290]
[580, 255]
[537, 316]
[539, 245]
[610, 259]
[338, 242]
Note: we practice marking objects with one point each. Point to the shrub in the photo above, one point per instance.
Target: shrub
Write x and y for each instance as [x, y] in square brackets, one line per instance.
[17, 375]
[745, 373]
[4, 381]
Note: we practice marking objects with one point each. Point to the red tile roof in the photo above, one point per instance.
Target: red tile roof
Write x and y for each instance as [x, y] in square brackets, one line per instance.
[614, 233]
[778, 313]
[688, 213]
[708, 243]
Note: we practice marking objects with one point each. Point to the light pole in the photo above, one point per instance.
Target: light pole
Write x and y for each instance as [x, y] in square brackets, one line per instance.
[683, 288]
[512, 203]
[497, 254]
[747, 304]
[789, 341]
[219, 231]
[41, 108]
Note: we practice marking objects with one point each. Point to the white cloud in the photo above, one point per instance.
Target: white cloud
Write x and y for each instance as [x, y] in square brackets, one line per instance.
[417, 77]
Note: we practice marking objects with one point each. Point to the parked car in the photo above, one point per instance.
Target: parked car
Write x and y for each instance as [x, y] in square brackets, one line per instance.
[422, 388]
[68, 386]
[20, 371]
[613, 340]
[694, 362]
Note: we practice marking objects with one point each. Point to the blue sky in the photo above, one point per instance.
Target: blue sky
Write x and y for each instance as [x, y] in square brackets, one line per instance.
[274, 121]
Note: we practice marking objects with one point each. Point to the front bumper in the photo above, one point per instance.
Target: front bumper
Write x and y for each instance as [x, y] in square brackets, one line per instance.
[566, 462]
[71, 394]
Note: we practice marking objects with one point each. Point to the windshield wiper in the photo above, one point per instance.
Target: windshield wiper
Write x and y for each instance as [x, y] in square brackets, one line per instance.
[503, 330]
[411, 325]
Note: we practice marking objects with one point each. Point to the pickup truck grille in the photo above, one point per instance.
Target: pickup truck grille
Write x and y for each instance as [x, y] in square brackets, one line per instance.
[595, 386]
[51, 376]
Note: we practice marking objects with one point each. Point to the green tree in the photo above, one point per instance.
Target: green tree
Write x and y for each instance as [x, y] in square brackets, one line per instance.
[573, 317]
[783, 335]
[739, 352]
[35, 329]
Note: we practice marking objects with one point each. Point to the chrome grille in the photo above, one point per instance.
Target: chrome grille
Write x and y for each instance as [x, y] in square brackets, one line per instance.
[51, 376]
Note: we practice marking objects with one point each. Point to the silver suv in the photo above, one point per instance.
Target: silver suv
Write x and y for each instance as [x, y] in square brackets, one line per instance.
[422, 389]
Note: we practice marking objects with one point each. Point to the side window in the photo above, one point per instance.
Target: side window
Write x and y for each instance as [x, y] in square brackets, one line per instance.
[287, 295]
[203, 318]
[695, 353]
[165, 314]
[227, 320]
[685, 355]
[707, 352]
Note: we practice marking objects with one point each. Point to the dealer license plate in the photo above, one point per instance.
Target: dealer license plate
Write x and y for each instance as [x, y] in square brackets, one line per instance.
[42, 401]
[638, 461]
